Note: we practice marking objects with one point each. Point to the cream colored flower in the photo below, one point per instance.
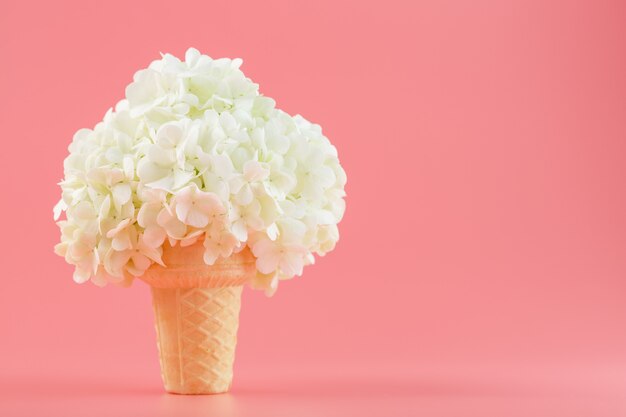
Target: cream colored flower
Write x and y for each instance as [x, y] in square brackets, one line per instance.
[266, 282]
[218, 243]
[243, 218]
[198, 208]
[134, 260]
[286, 254]
[220, 177]
[195, 152]
[164, 166]
[174, 227]
[153, 234]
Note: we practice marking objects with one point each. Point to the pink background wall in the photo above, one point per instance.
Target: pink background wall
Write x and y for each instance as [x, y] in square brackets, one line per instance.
[485, 234]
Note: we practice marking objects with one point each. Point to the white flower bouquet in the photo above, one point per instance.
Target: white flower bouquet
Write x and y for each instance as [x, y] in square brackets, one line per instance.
[195, 172]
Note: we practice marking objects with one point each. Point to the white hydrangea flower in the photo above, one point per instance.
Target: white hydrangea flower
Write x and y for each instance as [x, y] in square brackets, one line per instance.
[195, 152]
[198, 208]
[218, 243]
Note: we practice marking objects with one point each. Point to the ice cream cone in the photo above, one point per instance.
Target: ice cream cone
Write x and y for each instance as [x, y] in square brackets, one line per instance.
[196, 308]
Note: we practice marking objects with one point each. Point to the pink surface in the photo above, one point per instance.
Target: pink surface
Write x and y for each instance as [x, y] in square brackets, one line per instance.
[481, 269]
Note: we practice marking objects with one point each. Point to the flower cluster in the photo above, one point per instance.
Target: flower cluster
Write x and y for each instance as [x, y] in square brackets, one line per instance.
[194, 152]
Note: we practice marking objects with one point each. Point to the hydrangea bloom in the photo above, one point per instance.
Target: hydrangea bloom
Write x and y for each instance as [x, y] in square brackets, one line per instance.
[194, 152]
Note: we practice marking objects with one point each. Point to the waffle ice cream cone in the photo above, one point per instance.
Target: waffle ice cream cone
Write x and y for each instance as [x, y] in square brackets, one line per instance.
[196, 309]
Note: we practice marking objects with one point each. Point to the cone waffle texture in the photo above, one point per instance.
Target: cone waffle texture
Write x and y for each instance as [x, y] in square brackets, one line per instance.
[196, 310]
[185, 268]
